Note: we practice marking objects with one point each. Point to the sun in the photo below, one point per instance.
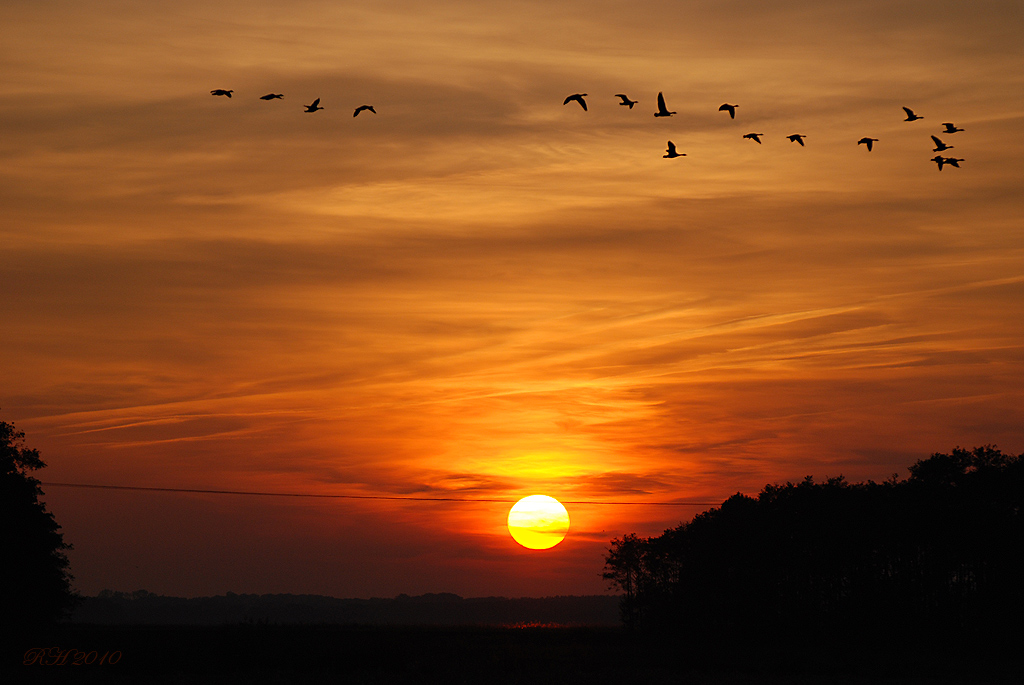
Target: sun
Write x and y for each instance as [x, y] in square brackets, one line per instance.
[538, 522]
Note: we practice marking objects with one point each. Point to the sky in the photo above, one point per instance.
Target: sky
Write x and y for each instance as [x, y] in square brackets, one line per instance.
[481, 293]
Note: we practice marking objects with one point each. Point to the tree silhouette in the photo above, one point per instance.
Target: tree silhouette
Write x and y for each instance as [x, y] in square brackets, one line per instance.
[35, 586]
[935, 555]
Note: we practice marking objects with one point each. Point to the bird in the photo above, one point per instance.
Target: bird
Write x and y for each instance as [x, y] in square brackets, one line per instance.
[867, 141]
[662, 109]
[940, 160]
[360, 108]
[910, 115]
[272, 96]
[797, 138]
[626, 101]
[314, 107]
[731, 109]
[578, 97]
[754, 137]
[671, 152]
[940, 146]
[953, 161]
[221, 91]
[950, 128]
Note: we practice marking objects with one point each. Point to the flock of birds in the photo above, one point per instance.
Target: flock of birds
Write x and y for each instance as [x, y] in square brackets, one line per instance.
[314, 107]
[663, 111]
[672, 152]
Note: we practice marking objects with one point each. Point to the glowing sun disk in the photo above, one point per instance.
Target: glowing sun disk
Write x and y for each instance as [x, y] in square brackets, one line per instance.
[538, 522]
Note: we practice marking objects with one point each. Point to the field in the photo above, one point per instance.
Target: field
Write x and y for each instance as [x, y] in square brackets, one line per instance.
[260, 653]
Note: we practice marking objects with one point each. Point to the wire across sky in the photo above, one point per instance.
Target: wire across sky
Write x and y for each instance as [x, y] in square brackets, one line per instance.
[410, 498]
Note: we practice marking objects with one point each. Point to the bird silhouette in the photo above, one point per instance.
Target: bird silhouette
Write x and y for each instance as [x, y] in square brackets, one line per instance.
[910, 115]
[671, 152]
[626, 101]
[950, 128]
[221, 91]
[314, 107]
[940, 160]
[578, 97]
[754, 137]
[867, 141]
[953, 161]
[360, 108]
[272, 96]
[662, 109]
[940, 146]
[731, 109]
[797, 138]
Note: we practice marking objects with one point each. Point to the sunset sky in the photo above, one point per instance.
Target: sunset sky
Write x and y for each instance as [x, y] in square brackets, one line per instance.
[482, 293]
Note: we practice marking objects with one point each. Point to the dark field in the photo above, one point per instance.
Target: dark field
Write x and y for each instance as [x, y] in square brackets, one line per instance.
[346, 654]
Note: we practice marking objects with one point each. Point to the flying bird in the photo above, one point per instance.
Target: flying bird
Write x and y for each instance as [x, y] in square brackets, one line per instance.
[662, 109]
[314, 107]
[272, 96]
[626, 101]
[910, 115]
[360, 108]
[221, 91]
[950, 128]
[578, 97]
[867, 141]
[953, 161]
[797, 138]
[940, 146]
[754, 137]
[940, 160]
[731, 109]
[671, 152]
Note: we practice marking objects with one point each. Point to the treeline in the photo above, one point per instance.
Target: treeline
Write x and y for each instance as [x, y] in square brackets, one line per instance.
[937, 554]
[437, 609]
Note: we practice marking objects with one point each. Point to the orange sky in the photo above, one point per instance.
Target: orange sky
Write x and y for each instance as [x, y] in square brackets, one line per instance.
[479, 292]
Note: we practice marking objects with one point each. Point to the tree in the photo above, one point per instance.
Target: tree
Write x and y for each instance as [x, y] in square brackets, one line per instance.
[35, 586]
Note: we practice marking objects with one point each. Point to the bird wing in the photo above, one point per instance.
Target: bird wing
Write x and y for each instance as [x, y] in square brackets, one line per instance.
[661, 103]
[671, 147]
[909, 111]
[937, 141]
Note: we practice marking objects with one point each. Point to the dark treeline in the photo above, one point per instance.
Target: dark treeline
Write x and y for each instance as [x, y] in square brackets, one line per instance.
[933, 559]
[437, 609]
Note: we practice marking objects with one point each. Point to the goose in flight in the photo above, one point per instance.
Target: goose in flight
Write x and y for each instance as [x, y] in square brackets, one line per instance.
[910, 115]
[578, 97]
[731, 109]
[950, 128]
[314, 107]
[221, 91]
[626, 101]
[756, 137]
[952, 161]
[272, 96]
[867, 141]
[797, 138]
[671, 152]
[360, 108]
[940, 146]
[662, 109]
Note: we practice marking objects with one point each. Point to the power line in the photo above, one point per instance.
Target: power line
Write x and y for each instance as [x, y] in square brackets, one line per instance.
[376, 497]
